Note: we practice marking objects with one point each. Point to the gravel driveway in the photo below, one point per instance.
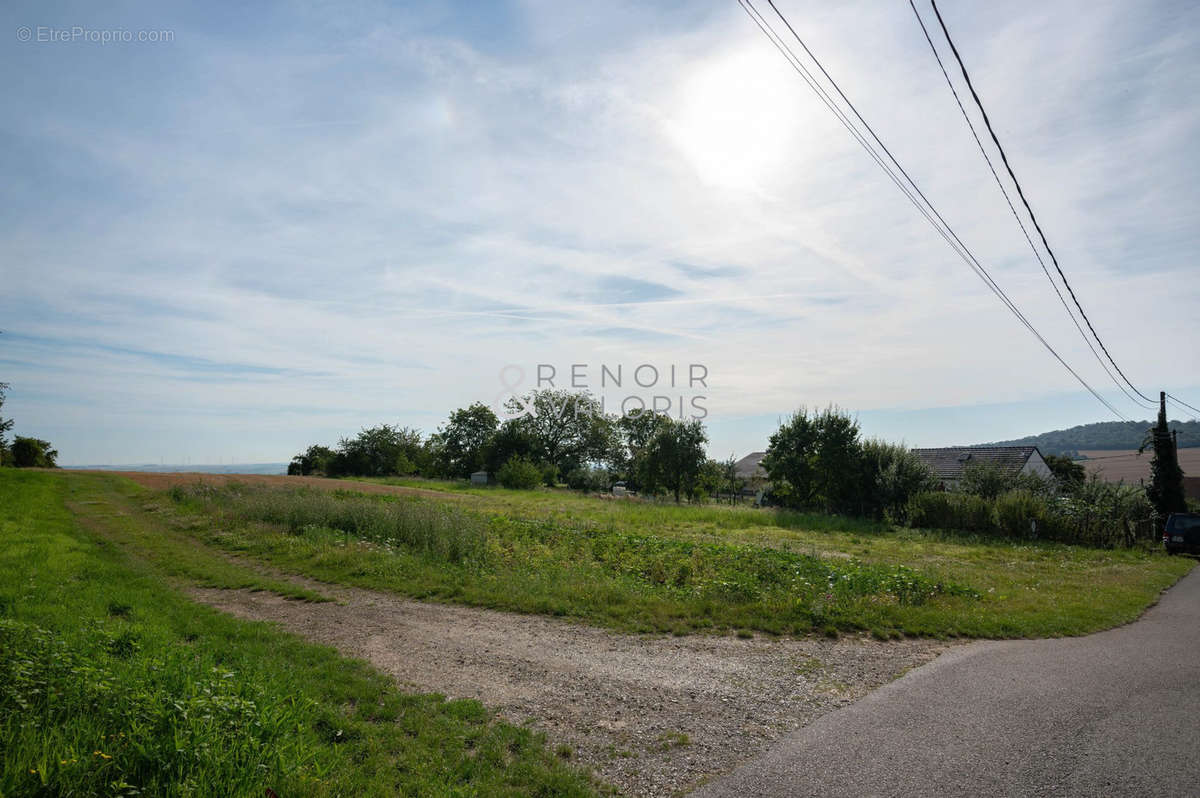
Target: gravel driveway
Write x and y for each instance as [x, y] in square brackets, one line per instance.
[650, 715]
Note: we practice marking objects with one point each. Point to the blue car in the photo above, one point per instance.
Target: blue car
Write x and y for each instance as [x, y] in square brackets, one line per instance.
[1182, 533]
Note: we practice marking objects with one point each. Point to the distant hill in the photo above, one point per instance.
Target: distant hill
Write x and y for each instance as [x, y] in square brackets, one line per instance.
[231, 468]
[1102, 435]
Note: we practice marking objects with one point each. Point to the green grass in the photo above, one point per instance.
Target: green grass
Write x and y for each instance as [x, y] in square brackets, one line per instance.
[680, 569]
[113, 683]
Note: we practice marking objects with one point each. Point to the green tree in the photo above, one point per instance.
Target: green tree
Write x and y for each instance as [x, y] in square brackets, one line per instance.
[892, 475]
[633, 431]
[33, 453]
[839, 461]
[380, 451]
[6, 424]
[709, 482]
[1165, 490]
[674, 458]
[462, 443]
[790, 461]
[313, 460]
[731, 482]
[511, 440]
[815, 462]
[1070, 474]
[565, 429]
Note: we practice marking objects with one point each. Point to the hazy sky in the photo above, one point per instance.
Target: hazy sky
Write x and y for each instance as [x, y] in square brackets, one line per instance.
[290, 221]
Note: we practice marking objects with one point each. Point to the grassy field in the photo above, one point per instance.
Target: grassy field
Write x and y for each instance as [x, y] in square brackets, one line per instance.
[680, 569]
[113, 683]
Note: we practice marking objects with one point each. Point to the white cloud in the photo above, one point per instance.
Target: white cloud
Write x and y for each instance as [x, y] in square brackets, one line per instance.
[404, 212]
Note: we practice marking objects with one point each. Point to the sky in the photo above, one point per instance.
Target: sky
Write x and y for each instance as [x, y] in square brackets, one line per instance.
[253, 227]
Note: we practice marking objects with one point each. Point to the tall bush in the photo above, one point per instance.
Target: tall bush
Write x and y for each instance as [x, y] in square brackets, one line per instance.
[891, 475]
[519, 473]
[815, 462]
[941, 510]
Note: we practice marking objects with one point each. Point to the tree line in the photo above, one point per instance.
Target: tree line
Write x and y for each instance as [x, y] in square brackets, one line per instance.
[561, 437]
[815, 461]
[1103, 435]
[23, 452]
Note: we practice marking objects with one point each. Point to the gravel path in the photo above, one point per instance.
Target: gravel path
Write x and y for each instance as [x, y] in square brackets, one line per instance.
[650, 715]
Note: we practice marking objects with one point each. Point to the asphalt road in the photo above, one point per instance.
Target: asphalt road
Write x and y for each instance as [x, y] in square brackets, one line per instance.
[1111, 714]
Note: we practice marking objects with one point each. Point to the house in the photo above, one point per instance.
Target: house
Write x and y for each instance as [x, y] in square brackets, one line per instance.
[750, 471]
[750, 467]
[948, 464]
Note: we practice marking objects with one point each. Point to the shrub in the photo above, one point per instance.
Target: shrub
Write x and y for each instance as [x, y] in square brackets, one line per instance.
[1018, 510]
[588, 479]
[1096, 514]
[892, 475]
[940, 510]
[519, 473]
[990, 481]
[1103, 513]
[549, 475]
[32, 453]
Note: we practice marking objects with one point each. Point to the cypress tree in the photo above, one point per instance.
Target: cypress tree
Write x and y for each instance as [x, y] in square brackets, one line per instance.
[1166, 477]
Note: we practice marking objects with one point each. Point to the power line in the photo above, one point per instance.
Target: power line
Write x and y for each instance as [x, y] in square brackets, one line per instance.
[947, 233]
[944, 229]
[1021, 194]
[999, 183]
[1185, 404]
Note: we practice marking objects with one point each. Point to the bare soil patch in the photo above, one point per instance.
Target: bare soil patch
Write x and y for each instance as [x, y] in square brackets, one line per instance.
[650, 715]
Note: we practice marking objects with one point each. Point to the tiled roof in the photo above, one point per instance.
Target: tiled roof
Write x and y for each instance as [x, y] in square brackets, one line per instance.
[751, 466]
[949, 463]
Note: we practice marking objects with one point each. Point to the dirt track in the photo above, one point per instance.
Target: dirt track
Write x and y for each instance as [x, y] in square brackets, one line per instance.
[651, 715]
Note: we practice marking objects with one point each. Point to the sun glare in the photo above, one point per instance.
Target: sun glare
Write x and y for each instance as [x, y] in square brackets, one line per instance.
[738, 119]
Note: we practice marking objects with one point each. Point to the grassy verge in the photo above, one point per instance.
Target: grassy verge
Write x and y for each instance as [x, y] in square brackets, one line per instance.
[675, 569]
[113, 683]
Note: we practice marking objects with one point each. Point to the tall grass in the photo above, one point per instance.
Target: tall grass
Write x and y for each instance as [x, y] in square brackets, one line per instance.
[433, 529]
[575, 567]
[90, 709]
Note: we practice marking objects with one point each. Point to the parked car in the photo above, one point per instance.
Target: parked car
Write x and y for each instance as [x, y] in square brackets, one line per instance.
[1182, 533]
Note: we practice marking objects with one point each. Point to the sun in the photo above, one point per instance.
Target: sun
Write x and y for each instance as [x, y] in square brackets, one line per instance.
[738, 119]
